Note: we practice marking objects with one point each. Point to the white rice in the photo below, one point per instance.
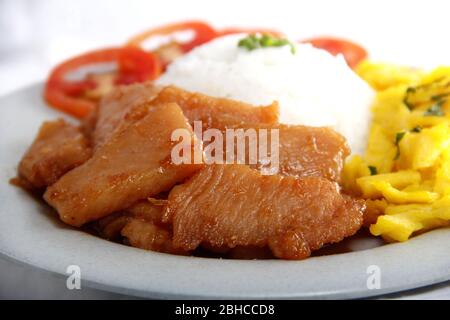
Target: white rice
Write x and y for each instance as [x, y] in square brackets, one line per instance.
[312, 87]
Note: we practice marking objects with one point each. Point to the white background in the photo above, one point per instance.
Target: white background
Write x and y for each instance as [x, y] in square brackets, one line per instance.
[37, 34]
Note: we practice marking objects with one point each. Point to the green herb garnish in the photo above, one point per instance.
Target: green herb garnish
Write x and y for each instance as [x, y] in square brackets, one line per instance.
[408, 104]
[416, 129]
[373, 170]
[398, 137]
[436, 109]
[427, 94]
[250, 43]
[255, 41]
[440, 97]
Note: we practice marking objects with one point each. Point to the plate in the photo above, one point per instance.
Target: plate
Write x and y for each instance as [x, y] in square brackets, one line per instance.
[31, 233]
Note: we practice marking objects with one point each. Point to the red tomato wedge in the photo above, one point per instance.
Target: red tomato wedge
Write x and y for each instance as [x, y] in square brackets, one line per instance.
[352, 52]
[203, 33]
[133, 65]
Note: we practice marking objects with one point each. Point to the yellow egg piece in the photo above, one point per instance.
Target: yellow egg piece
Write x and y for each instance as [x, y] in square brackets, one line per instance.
[405, 172]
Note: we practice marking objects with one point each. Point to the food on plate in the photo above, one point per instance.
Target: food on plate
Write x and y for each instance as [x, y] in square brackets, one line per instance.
[381, 76]
[407, 161]
[312, 87]
[150, 209]
[218, 113]
[304, 151]
[203, 33]
[110, 227]
[147, 235]
[114, 108]
[75, 97]
[146, 230]
[140, 226]
[132, 165]
[309, 152]
[231, 205]
[58, 148]
[353, 53]
[243, 143]
[259, 41]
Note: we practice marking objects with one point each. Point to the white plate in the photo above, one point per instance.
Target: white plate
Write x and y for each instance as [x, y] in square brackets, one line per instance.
[30, 233]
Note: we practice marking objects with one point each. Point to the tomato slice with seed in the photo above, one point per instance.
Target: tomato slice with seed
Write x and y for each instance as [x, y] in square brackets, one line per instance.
[133, 65]
[203, 33]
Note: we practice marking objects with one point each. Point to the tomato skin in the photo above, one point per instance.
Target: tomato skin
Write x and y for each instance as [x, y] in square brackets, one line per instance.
[134, 65]
[58, 99]
[352, 52]
[137, 66]
[203, 33]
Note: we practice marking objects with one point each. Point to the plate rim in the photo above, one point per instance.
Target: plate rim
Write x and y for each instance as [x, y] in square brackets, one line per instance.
[90, 280]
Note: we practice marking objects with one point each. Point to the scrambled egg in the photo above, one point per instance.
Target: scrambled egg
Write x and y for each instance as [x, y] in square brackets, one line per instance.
[405, 172]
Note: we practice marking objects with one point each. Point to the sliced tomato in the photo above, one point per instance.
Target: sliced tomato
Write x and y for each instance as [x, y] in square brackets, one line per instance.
[352, 52]
[203, 33]
[133, 65]
[228, 31]
[136, 65]
[58, 99]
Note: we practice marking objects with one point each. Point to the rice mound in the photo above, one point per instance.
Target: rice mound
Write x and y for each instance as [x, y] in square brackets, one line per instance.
[312, 87]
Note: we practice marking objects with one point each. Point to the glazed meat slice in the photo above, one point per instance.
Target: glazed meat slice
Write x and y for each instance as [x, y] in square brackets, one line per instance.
[233, 205]
[149, 210]
[88, 123]
[303, 151]
[250, 253]
[114, 107]
[141, 227]
[135, 163]
[310, 152]
[150, 236]
[110, 226]
[58, 148]
[218, 113]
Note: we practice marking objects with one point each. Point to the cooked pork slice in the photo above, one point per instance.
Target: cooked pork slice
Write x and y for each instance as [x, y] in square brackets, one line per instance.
[147, 235]
[149, 210]
[88, 123]
[135, 163]
[233, 205]
[111, 226]
[114, 107]
[304, 151]
[250, 253]
[141, 227]
[58, 148]
[310, 152]
[218, 113]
